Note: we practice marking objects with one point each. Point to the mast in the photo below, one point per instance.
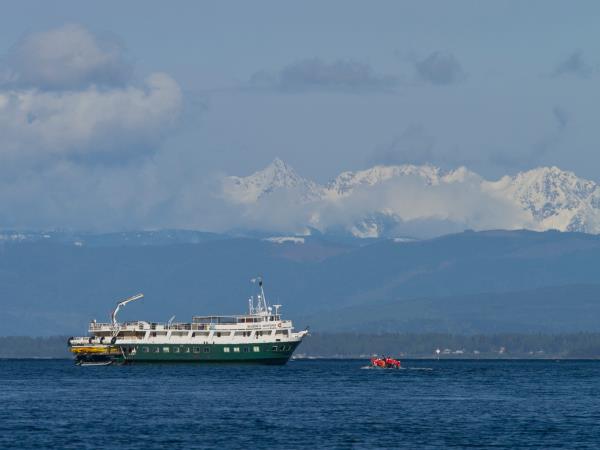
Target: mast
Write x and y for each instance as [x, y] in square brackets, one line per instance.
[261, 307]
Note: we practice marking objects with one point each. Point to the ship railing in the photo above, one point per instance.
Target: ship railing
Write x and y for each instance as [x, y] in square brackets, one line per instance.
[99, 326]
[179, 326]
[232, 320]
[164, 326]
[79, 340]
[172, 326]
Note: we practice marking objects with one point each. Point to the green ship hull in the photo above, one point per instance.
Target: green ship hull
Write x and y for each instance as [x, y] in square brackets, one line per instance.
[276, 353]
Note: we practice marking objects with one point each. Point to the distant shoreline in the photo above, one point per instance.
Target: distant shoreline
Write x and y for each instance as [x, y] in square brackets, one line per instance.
[416, 346]
[425, 358]
[349, 358]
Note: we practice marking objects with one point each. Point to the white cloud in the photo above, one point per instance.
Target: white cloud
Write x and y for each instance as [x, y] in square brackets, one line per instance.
[418, 208]
[68, 94]
[72, 121]
[36, 126]
[69, 57]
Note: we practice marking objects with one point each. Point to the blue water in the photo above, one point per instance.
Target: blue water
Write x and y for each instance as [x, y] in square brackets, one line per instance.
[305, 404]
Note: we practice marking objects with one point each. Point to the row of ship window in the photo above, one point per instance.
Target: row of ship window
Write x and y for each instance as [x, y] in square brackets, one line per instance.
[256, 348]
[218, 333]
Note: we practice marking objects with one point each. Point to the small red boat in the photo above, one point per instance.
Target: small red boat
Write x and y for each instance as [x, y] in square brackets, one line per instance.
[385, 363]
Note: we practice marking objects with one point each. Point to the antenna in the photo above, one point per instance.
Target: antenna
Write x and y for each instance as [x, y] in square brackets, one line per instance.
[170, 321]
[262, 306]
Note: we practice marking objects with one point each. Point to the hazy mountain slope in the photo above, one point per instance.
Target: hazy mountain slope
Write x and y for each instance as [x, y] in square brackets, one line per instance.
[48, 288]
[556, 309]
[460, 264]
[135, 238]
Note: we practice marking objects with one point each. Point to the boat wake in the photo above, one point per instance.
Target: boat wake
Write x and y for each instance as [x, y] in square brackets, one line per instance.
[382, 368]
[400, 368]
[95, 363]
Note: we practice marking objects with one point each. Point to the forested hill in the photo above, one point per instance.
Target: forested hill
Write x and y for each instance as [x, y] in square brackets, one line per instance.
[485, 282]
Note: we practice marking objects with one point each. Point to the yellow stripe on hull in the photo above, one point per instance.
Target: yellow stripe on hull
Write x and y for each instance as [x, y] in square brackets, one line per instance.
[96, 349]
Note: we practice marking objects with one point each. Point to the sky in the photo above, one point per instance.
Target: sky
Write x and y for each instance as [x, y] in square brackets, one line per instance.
[123, 115]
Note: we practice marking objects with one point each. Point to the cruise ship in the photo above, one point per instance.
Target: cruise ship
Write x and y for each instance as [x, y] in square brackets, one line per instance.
[261, 336]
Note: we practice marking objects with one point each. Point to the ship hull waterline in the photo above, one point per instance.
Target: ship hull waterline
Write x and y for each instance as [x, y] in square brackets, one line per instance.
[276, 353]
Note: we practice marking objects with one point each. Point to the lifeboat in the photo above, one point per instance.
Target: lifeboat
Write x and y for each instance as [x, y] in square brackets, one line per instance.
[385, 363]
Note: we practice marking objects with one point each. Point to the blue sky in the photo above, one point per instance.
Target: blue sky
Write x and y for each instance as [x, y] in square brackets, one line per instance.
[327, 86]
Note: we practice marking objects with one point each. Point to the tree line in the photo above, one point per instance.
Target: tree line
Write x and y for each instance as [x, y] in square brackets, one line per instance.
[360, 345]
[420, 345]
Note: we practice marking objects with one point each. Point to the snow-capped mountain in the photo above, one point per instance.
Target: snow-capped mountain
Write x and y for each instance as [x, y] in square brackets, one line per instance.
[275, 177]
[555, 198]
[405, 199]
[346, 182]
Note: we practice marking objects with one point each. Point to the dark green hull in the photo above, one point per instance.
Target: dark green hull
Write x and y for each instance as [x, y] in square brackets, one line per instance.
[277, 353]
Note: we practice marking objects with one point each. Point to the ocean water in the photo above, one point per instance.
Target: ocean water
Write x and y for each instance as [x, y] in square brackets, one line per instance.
[305, 404]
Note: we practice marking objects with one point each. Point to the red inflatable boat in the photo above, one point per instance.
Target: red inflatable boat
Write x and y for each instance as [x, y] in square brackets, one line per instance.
[385, 363]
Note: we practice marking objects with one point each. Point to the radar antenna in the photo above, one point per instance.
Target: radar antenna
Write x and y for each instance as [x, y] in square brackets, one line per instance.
[261, 307]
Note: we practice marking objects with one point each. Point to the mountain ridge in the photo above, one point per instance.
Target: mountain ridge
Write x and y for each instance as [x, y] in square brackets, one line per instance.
[387, 201]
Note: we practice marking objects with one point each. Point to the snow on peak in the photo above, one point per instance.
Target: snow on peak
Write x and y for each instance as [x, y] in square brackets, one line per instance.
[346, 182]
[556, 198]
[277, 175]
[460, 175]
[285, 239]
[374, 202]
